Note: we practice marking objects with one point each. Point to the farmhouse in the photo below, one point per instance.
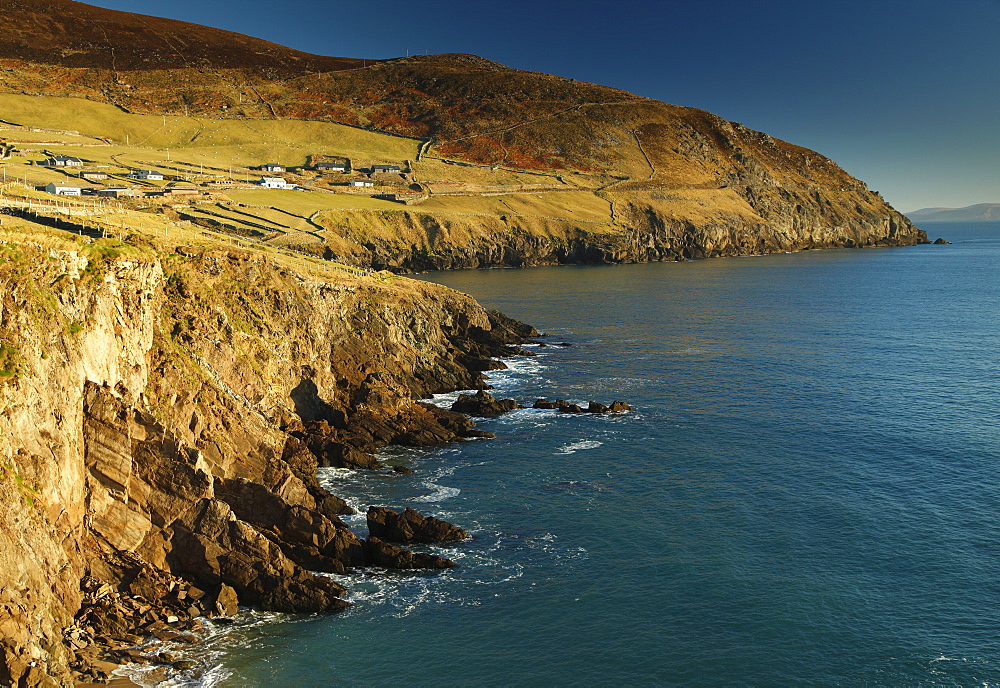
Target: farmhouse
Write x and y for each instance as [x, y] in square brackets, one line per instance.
[361, 181]
[93, 175]
[385, 168]
[273, 183]
[272, 167]
[62, 161]
[63, 190]
[330, 167]
[148, 175]
[115, 192]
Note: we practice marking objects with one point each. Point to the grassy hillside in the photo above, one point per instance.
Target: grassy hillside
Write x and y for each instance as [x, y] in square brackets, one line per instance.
[499, 166]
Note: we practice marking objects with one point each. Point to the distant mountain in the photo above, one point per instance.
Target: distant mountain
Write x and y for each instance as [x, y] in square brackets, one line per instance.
[971, 213]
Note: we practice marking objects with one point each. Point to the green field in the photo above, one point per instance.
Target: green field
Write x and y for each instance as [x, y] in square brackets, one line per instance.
[475, 201]
[209, 141]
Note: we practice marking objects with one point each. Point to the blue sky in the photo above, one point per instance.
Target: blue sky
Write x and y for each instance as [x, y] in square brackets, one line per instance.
[904, 95]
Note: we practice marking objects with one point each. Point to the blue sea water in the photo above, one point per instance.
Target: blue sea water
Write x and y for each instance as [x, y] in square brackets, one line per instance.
[807, 492]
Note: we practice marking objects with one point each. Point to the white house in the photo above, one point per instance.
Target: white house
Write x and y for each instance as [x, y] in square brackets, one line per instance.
[361, 182]
[62, 189]
[272, 167]
[148, 175]
[273, 183]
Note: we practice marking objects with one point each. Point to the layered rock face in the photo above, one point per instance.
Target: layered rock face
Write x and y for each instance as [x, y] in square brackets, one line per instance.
[158, 414]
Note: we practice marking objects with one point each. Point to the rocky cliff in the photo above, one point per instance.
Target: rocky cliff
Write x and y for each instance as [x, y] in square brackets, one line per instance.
[165, 413]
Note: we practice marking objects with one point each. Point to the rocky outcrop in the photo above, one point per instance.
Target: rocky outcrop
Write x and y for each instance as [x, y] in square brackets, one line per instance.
[410, 526]
[592, 407]
[482, 403]
[392, 557]
[165, 416]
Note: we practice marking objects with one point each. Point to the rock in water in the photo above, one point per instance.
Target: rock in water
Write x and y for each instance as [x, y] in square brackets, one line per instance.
[941, 240]
[566, 407]
[411, 526]
[482, 403]
[392, 557]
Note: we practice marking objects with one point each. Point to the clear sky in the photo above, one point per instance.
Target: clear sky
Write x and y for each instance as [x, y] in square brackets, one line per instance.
[903, 94]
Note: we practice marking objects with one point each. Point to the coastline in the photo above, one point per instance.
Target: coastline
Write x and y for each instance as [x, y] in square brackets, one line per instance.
[209, 385]
[197, 664]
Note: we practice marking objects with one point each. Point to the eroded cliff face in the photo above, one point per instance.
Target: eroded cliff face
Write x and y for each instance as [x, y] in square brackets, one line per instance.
[164, 418]
[645, 231]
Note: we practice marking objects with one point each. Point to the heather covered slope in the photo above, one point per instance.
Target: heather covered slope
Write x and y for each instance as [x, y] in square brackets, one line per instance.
[72, 34]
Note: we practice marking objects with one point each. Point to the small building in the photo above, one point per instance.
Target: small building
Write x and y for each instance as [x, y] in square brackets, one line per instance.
[271, 167]
[361, 181]
[406, 198]
[330, 167]
[93, 175]
[62, 189]
[147, 175]
[62, 161]
[273, 183]
[115, 192]
[386, 168]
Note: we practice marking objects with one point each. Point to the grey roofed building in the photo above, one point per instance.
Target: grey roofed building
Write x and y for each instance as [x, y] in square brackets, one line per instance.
[62, 161]
[145, 174]
[115, 192]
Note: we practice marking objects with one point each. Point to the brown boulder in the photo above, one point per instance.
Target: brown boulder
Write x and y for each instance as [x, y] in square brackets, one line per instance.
[411, 526]
[391, 557]
[566, 407]
[482, 403]
[225, 601]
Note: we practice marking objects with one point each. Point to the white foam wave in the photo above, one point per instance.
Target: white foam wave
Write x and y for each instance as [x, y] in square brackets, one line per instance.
[207, 670]
[446, 399]
[573, 447]
[439, 494]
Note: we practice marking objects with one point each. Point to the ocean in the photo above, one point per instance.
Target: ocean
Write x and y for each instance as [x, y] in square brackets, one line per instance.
[806, 492]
